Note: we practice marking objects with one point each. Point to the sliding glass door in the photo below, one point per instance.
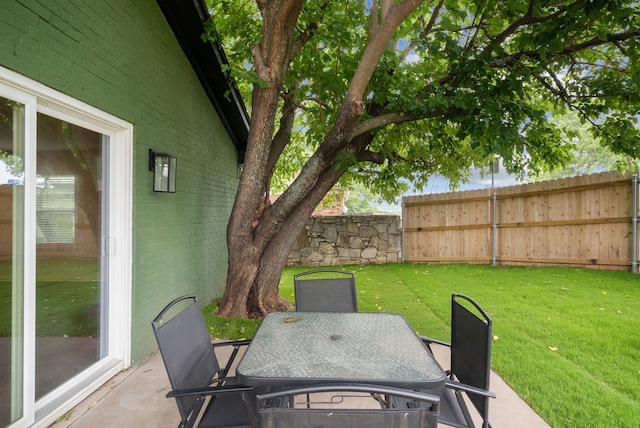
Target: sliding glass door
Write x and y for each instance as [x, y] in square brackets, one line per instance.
[69, 230]
[64, 289]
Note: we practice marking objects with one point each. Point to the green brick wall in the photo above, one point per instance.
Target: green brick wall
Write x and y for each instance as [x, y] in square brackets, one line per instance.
[120, 56]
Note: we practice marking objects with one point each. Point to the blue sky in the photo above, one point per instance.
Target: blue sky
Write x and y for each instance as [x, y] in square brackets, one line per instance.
[439, 184]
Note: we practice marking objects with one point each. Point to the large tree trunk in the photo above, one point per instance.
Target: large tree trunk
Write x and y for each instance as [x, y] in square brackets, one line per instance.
[260, 235]
[255, 264]
[250, 267]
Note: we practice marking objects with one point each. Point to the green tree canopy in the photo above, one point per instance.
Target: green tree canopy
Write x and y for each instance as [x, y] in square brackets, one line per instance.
[389, 92]
[588, 155]
[459, 82]
[361, 200]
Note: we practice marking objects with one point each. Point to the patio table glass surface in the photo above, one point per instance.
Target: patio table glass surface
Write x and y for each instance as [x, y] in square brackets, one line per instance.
[292, 348]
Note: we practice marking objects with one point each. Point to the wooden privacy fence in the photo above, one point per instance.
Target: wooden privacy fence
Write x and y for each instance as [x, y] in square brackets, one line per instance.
[581, 221]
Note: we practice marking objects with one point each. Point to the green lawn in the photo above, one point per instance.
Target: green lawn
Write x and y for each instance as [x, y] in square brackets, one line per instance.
[567, 340]
[67, 296]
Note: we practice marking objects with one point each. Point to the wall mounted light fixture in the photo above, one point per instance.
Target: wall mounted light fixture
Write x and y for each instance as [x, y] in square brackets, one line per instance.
[164, 168]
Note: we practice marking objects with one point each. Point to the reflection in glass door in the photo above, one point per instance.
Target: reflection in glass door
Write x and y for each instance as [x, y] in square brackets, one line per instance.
[12, 147]
[69, 228]
[65, 250]
[70, 287]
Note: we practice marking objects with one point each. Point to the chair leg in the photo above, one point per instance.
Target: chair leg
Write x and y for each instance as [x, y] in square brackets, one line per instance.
[250, 410]
[465, 410]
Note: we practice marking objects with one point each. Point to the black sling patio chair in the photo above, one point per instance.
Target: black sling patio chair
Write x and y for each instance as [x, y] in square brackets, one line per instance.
[195, 373]
[334, 405]
[326, 291]
[470, 364]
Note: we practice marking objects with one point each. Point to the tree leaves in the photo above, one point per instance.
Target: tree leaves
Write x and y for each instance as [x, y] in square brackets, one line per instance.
[481, 78]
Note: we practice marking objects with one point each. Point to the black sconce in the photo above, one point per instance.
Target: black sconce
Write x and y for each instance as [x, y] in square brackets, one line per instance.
[164, 168]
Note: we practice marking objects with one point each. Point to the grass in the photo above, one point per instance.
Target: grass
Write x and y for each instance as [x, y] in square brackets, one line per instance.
[67, 295]
[566, 340]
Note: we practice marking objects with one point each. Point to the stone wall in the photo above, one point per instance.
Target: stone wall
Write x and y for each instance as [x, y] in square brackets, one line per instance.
[347, 239]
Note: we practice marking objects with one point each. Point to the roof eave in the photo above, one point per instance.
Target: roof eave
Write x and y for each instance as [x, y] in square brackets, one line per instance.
[186, 20]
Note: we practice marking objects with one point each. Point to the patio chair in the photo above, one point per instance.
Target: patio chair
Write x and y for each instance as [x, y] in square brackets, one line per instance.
[336, 293]
[341, 406]
[195, 373]
[470, 364]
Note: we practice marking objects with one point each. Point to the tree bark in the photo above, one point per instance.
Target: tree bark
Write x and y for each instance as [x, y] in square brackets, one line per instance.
[246, 294]
[260, 234]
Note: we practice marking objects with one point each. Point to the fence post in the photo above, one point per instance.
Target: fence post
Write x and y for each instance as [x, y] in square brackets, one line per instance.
[634, 225]
[402, 220]
[494, 230]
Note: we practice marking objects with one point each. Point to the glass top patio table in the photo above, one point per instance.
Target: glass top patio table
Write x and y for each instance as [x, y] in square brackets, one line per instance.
[292, 348]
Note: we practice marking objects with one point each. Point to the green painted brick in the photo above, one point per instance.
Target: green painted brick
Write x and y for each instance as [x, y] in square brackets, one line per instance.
[121, 57]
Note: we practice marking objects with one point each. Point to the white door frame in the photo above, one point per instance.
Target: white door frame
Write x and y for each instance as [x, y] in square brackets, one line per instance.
[117, 246]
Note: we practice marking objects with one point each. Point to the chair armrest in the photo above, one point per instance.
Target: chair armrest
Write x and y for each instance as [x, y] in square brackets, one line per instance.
[219, 344]
[210, 390]
[452, 384]
[236, 344]
[427, 341]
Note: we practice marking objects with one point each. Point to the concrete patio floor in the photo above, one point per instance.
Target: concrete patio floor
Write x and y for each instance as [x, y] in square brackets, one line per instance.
[136, 398]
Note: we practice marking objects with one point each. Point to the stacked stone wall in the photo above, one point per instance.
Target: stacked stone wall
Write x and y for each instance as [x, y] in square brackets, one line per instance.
[348, 239]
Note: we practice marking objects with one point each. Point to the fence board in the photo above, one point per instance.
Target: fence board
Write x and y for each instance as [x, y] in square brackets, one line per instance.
[578, 221]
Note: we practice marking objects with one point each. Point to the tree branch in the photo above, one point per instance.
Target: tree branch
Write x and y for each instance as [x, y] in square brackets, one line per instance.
[305, 35]
[385, 119]
[527, 19]
[282, 137]
[377, 122]
[373, 13]
[270, 55]
[561, 92]
[390, 21]
[392, 156]
[380, 158]
[510, 60]
[305, 193]
[434, 17]
[596, 41]
[262, 70]
[372, 157]
[279, 21]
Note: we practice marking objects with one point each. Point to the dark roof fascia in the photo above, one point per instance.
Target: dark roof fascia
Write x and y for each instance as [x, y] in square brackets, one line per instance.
[186, 19]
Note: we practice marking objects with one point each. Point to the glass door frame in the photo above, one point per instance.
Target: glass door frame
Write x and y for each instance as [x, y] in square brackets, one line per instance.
[116, 246]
